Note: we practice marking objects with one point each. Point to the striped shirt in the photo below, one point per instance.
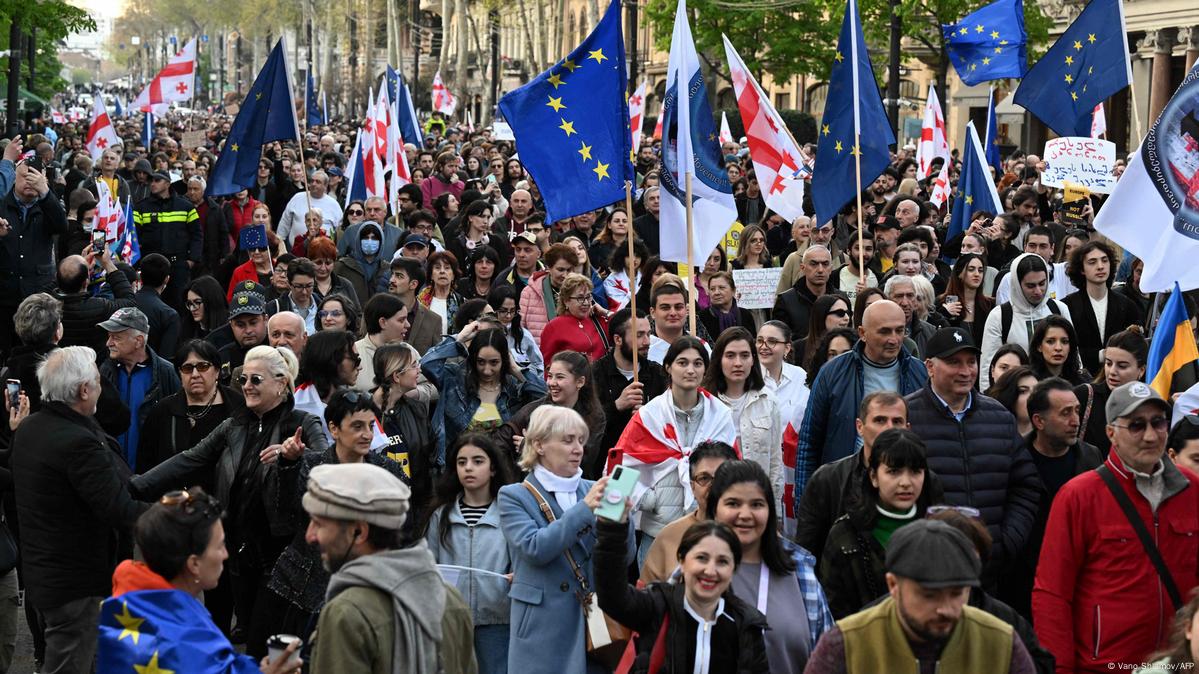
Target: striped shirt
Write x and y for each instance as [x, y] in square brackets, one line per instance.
[472, 514]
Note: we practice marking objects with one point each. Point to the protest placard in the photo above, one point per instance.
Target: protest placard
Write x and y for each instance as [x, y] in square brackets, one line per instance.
[501, 131]
[193, 139]
[1074, 202]
[756, 287]
[1088, 162]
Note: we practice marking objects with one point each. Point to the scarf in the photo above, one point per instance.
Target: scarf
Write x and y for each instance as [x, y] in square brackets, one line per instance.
[550, 297]
[727, 319]
[651, 442]
[564, 489]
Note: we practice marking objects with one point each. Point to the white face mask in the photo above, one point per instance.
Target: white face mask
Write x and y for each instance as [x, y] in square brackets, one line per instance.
[88, 226]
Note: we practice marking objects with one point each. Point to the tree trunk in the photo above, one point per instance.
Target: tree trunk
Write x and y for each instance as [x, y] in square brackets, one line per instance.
[543, 38]
[530, 45]
[14, 76]
[443, 56]
[461, 28]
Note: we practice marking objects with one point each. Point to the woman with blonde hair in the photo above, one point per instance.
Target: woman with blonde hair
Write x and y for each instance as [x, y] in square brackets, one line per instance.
[549, 523]
[581, 324]
[249, 455]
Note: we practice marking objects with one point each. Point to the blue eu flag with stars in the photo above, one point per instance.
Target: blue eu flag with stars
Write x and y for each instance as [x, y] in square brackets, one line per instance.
[854, 122]
[268, 114]
[1087, 64]
[975, 190]
[312, 110]
[989, 43]
[571, 124]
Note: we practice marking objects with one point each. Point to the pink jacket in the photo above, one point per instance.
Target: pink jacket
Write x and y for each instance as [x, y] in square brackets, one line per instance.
[533, 314]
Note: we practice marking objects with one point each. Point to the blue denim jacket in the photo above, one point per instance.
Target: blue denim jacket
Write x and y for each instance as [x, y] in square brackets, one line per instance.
[482, 546]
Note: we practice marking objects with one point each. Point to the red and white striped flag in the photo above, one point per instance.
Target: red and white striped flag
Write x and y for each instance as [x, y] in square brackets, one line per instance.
[108, 213]
[1098, 121]
[443, 101]
[933, 143]
[778, 163]
[175, 82]
[100, 134]
[637, 114]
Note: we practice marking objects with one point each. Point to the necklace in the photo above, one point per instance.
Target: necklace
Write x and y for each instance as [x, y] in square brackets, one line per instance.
[192, 418]
[489, 388]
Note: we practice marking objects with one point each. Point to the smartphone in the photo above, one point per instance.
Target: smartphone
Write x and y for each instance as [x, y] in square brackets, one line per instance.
[98, 240]
[13, 388]
[619, 488]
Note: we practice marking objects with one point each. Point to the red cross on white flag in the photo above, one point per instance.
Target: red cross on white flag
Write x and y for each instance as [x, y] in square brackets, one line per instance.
[933, 143]
[175, 82]
[100, 134]
[637, 114]
[443, 101]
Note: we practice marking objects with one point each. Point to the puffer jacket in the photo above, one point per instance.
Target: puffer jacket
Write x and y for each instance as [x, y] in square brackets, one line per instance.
[481, 546]
[760, 434]
[828, 432]
[982, 462]
[534, 312]
[82, 312]
[1024, 319]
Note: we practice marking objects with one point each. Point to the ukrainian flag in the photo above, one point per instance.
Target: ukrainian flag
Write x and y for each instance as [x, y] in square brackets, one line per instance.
[1173, 344]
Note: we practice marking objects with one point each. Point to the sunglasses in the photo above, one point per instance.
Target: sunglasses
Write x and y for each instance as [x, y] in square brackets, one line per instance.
[1138, 427]
[202, 366]
[964, 510]
[354, 397]
[253, 379]
[330, 313]
[189, 504]
[839, 313]
[356, 212]
[357, 360]
[259, 250]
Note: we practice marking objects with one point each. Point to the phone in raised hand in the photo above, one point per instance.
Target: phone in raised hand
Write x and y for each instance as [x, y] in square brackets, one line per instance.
[618, 490]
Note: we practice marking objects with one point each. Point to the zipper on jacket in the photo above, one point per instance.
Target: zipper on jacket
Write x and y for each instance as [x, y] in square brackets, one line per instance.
[965, 460]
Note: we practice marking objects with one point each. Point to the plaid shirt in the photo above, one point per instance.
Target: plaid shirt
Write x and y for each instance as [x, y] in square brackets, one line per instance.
[820, 619]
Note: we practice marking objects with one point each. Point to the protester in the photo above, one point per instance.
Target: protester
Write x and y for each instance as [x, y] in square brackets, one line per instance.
[1030, 303]
[82, 311]
[386, 321]
[164, 320]
[620, 392]
[254, 241]
[1124, 358]
[580, 325]
[964, 302]
[829, 312]
[35, 215]
[504, 300]
[792, 306]
[337, 312]
[1097, 313]
[537, 304]
[1053, 352]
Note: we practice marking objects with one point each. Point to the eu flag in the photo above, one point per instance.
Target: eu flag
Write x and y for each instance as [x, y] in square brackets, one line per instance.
[989, 43]
[268, 114]
[854, 123]
[401, 100]
[571, 124]
[312, 110]
[1087, 64]
[976, 190]
[991, 142]
[159, 631]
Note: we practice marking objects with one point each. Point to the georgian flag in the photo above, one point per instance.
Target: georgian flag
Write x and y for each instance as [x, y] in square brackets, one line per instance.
[372, 166]
[726, 136]
[443, 101]
[175, 82]
[57, 117]
[651, 443]
[1098, 121]
[932, 137]
[308, 400]
[637, 114]
[100, 134]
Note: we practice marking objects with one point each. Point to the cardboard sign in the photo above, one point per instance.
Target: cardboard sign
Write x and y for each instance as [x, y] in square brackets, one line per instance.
[1089, 162]
[731, 239]
[193, 139]
[1074, 202]
[756, 288]
[501, 131]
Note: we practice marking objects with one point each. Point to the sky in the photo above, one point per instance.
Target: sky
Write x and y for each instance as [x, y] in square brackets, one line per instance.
[109, 8]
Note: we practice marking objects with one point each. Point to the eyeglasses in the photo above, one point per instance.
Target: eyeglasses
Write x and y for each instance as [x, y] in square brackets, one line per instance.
[584, 299]
[1138, 426]
[302, 286]
[330, 313]
[253, 379]
[703, 479]
[356, 211]
[505, 312]
[202, 366]
[190, 504]
[964, 510]
[194, 304]
[772, 343]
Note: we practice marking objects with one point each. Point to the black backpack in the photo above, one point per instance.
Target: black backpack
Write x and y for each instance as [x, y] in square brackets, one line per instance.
[1006, 312]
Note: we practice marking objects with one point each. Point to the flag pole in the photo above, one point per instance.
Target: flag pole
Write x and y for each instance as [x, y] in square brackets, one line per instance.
[857, 156]
[1136, 115]
[632, 271]
[690, 262]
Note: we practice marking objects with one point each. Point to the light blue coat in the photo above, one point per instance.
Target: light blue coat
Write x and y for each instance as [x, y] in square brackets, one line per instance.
[479, 547]
[547, 628]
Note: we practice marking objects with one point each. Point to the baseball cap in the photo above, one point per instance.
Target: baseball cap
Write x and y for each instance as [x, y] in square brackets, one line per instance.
[334, 171]
[246, 303]
[127, 318]
[527, 237]
[886, 222]
[933, 554]
[1128, 397]
[948, 341]
[357, 491]
[416, 240]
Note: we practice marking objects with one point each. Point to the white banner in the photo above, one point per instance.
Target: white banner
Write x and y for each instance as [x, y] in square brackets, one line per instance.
[1089, 162]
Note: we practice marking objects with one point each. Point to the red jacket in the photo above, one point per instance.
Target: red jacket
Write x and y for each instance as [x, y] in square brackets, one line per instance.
[1097, 601]
[567, 333]
[244, 272]
[241, 215]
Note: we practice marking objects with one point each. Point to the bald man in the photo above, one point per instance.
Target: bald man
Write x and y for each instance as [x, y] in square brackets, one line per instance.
[878, 362]
[520, 207]
[286, 328]
[81, 312]
[793, 305]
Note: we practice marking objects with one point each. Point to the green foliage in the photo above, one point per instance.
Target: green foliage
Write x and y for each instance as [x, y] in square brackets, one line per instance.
[801, 125]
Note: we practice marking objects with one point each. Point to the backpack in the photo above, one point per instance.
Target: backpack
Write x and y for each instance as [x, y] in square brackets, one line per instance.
[1006, 312]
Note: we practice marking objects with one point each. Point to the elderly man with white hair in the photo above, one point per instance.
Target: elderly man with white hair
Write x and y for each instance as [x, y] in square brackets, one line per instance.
[286, 328]
[216, 222]
[902, 291]
[291, 224]
[140, 375]
[72, 499]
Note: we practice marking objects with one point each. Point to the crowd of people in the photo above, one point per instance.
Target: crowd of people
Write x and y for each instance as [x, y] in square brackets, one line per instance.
[386, 428]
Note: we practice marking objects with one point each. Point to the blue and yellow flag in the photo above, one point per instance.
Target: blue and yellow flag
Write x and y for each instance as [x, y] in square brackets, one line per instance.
[1173, 344]
[989, 43]
[571, 124]
[975, 189]
[164, 632]
[268, 114]
[1087, 64]
[991, 142]
[854, 123]
[312, 111]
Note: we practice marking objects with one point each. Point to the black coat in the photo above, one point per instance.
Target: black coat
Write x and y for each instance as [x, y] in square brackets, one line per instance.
[82, 313]
[852, 569]
[72, 497]
[711, 321]
[27, 251]
[164, 322]
[215, 225]
[408, 422]
[1121, 313]
[738, 645]
[167, 431]
[792, 307]
[610, 383]
[982, 463]
[111, 413]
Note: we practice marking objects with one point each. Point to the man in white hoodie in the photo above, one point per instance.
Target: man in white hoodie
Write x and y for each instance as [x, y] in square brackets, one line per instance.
[1014, 322]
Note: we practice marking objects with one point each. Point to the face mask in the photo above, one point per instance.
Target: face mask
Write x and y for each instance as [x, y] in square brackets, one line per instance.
[370, 246]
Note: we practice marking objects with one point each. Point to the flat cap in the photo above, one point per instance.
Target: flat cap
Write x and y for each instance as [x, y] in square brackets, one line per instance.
[933, 554]
[357, 491]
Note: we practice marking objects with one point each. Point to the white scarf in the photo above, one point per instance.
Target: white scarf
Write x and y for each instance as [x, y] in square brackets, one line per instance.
[564, 489]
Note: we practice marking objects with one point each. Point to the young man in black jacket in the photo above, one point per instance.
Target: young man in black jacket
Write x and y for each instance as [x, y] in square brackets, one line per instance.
[619, 394]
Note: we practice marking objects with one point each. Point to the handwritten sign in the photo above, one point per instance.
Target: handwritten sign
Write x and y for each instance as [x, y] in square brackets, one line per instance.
[1088, 162]
[756, 288]
[1074, 202]
[193, 139]
[502, 131]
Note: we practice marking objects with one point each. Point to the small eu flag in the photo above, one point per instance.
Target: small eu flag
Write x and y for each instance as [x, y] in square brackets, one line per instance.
[975, 190]
[991, 142]
[401, 100]
[988, 44]
[313, 111]
[854, 122]
[1087, 64]
[571, 124]
[268, 114]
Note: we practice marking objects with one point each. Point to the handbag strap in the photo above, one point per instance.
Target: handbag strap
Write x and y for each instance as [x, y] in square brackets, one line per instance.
[1138, 525]
[570, 559]
[1086, 417]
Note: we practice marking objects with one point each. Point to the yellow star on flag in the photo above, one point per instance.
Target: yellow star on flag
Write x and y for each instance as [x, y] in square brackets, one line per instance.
[825, 129]
[986, 60]
[838, 57]
[837, 147]
[1003, 42]
[1077, 45]
[1074, 95]
[964, 31]
[1069, 60]
[585, 151]
[999, 50]
[235, 147]
[1090, 70]
[969, 200]
[598, 55]
[994, 34]
[152, 667]
[568, 127]
[570, 65]
[129, 624]
[258, 95]
[556, 103]
[974, 66]
[1091, 38]
[978, 28]
[856, 150]
[601, 170]
[1069, 79]
[555, 80]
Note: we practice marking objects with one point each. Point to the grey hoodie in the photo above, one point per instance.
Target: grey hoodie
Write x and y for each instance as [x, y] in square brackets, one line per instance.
[418, 598]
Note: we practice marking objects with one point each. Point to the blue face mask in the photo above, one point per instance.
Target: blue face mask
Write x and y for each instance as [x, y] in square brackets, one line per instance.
[370, 246]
